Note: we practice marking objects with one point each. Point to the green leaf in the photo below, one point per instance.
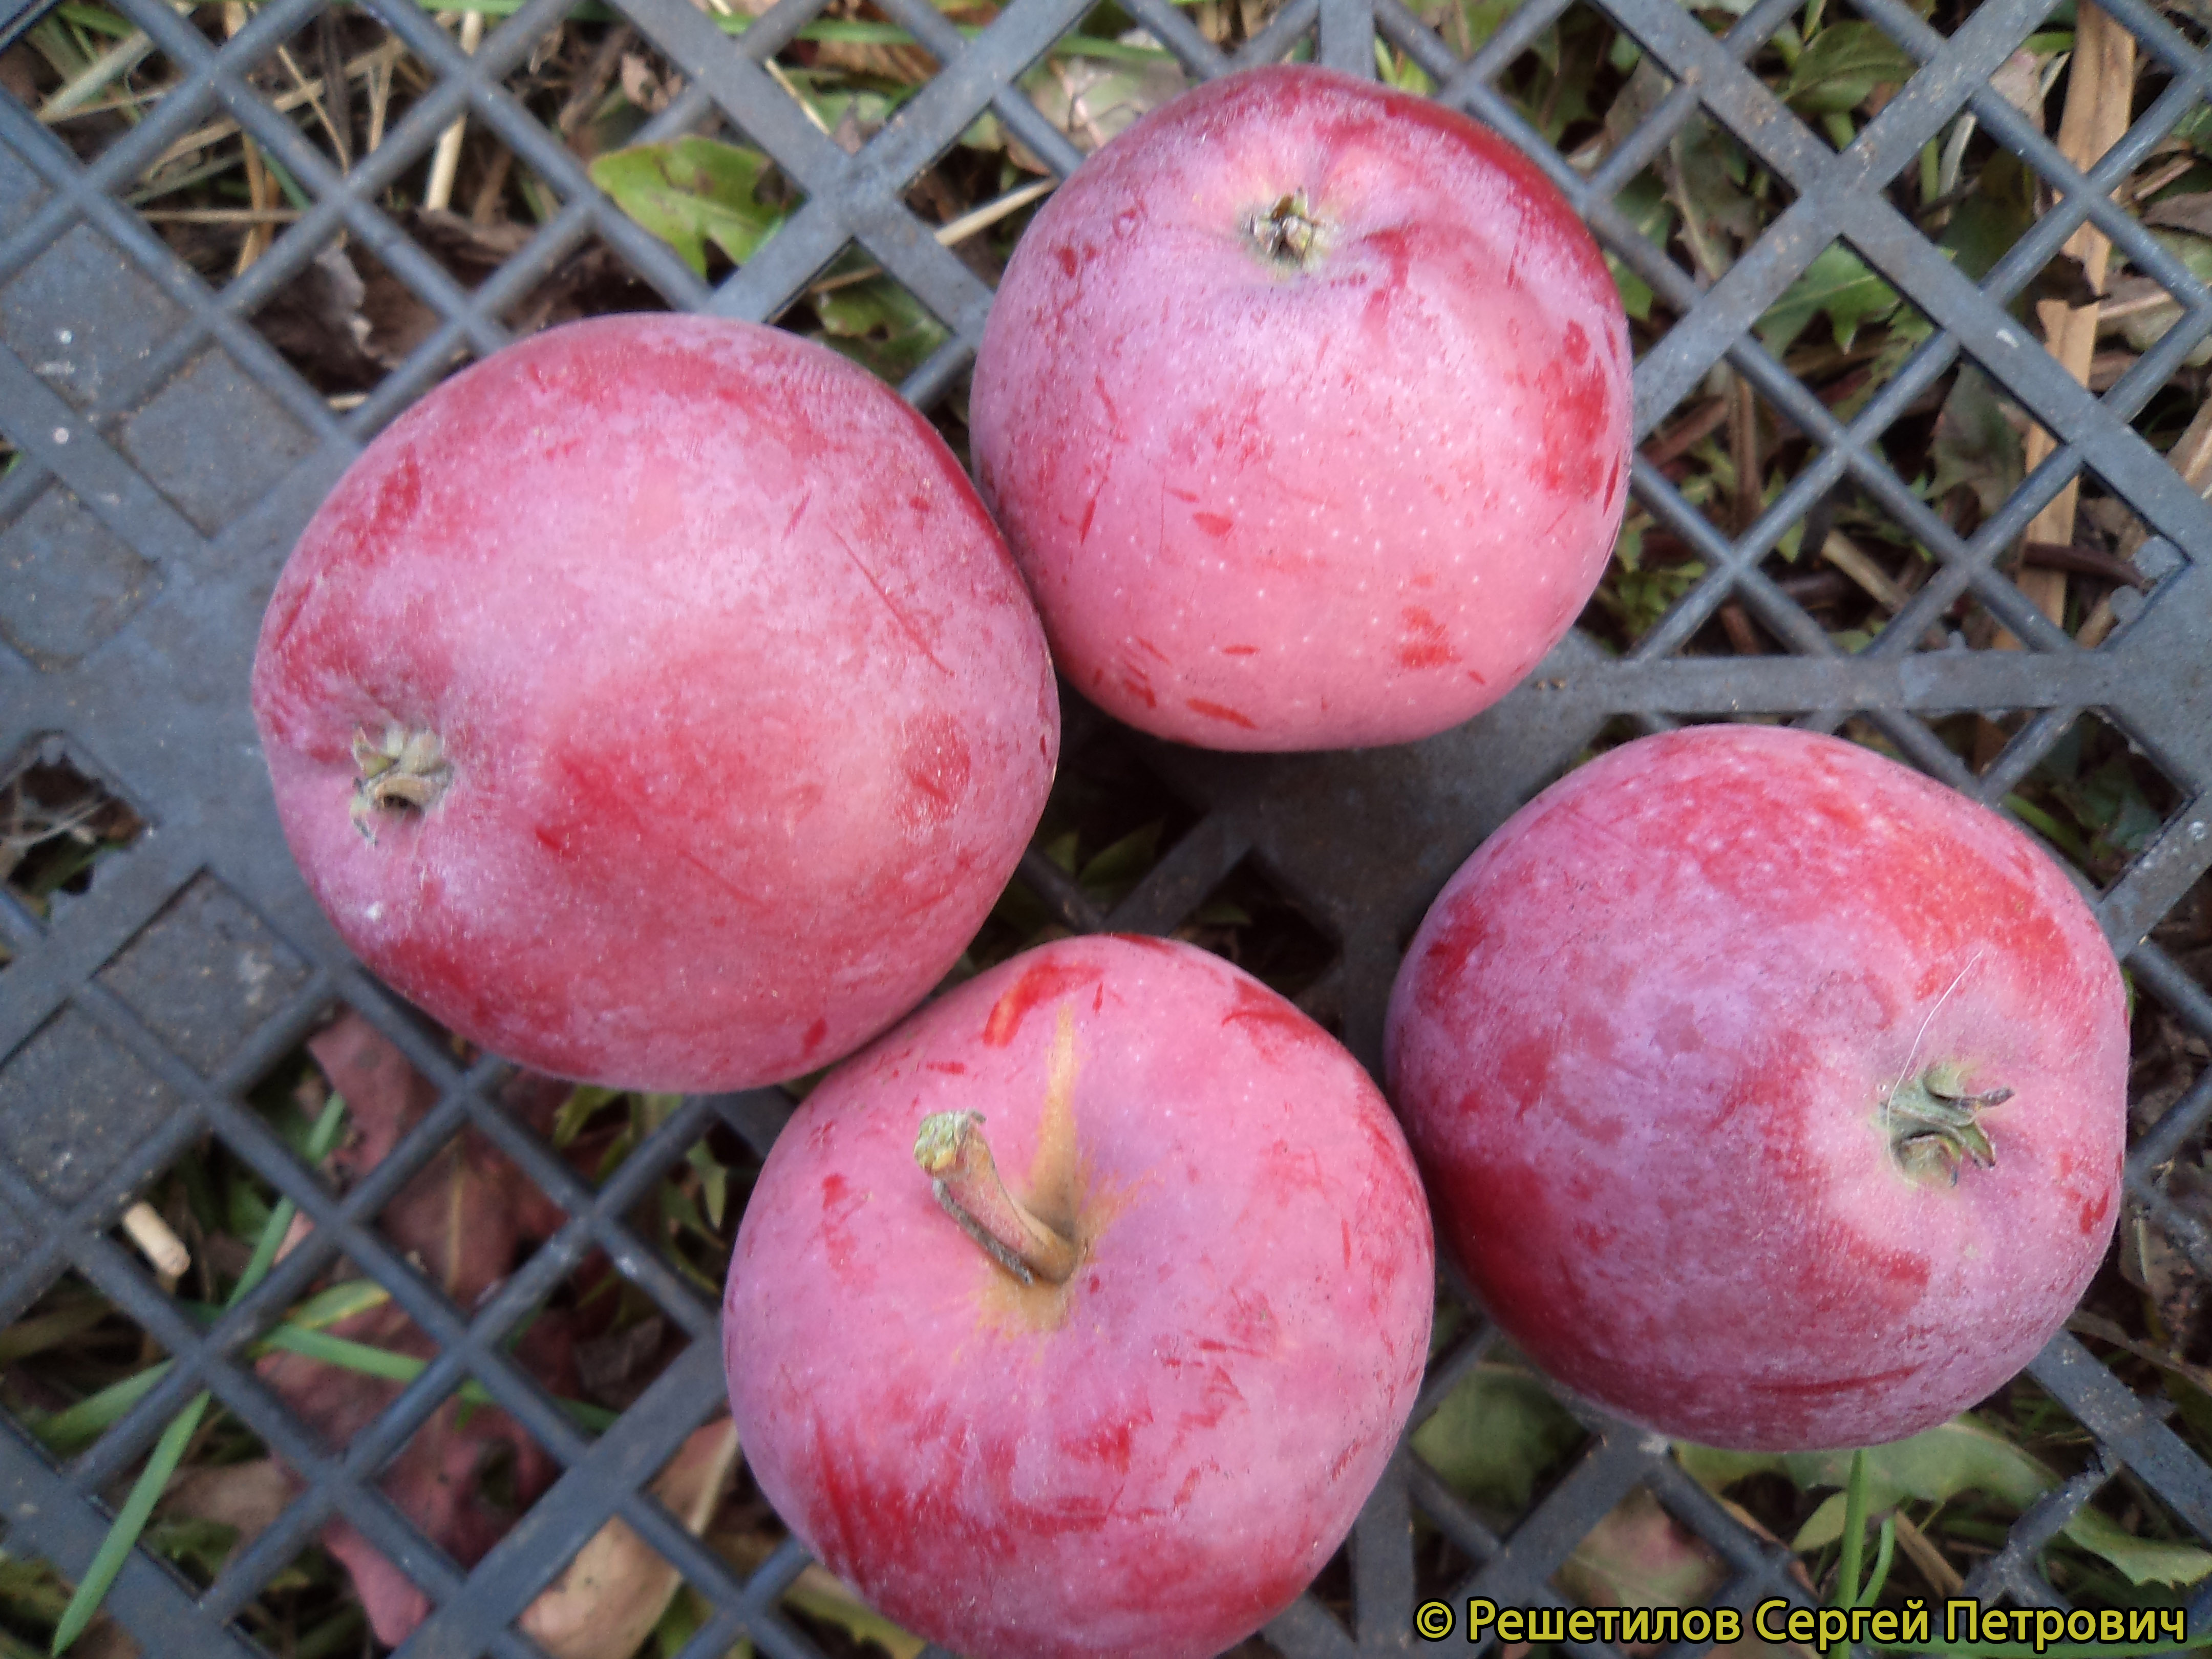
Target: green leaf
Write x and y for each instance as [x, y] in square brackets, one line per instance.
[1494, 1435]
[1975, 444]
[1842, 66]
[714, 1182]
[2144, 1560]
[880, 326]
[1839, 284]
[1126, 861]
[131, 1521]
[582, 1103]
[28, 1336]
[819, 1595]
[1995, 216]
[340, 1301]
[79, 1426]
[691, 191]
[2110, 802]
[1705, 167]
[1961, 1455]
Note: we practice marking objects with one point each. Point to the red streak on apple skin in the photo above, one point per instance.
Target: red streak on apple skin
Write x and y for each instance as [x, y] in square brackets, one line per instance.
[1156, 402]
[1042, 982]
[1216, 711]
[1152, 1460]
[679, 598]
[1640, 1044]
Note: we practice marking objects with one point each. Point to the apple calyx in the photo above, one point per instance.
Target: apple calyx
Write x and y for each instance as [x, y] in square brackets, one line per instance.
[404, 771]
[1933, 1124]
[1288, 234]
[951, 1151]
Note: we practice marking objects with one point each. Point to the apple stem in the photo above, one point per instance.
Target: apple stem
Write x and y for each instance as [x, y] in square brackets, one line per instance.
[404, 771]
[1934, 1126]
[1288, 234]
[951, 1150]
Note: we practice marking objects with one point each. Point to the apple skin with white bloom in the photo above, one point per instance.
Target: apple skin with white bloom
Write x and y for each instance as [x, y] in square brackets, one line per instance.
[1305, 404]
[1155, 1456]
[1769, 1093]
[655, 704]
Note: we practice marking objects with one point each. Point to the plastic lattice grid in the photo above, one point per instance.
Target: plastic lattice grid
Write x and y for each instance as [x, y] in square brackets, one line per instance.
[168, 454]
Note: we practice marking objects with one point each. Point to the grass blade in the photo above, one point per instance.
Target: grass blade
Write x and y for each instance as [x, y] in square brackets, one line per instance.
[91, 1417]
[92, 1588]
[1847, 1571]
[168, 1451]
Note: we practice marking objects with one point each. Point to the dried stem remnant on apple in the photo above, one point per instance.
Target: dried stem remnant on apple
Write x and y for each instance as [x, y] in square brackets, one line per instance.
[404, 771]
[1933, 1124]
[1288, 234]
[951, 1150]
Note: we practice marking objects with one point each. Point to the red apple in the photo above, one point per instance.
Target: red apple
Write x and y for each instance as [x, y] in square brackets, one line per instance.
[1769, 1093]
[655, 703]
[1304, 405]
[1154, 1456]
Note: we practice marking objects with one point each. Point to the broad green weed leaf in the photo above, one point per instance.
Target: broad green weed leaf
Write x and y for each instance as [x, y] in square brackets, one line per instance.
[1839, 283]
[1844, 65]
[690, 192]
[1494, 1435]
[2144, 1560]
[1120, 865]
[1959, 1456]
[880, 326]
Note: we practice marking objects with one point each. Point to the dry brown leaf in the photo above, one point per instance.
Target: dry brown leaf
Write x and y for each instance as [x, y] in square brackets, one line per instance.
[247, 1496]
[105, 1639]
[607, 1600]
[465, 1218]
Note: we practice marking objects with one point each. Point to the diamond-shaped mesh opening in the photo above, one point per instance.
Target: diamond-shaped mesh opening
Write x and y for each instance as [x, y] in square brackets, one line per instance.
[1855, 569]
[468, 1217]
[1640, 1555]
[345, 320]
[1108, 821]
[1839, 72]
[1248, 919]
[689, 1197]
[862, 313]
[2095, 798]
[1497, 1440]
[1653, 567]
[36, 1596]
[854, 43]
[58, 820]
[616, 1590]
[91, 76]
[72, 1365]
[1091, 89]
[711, 194]
[312, 1603]
[1730, 454]
[589, 280]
